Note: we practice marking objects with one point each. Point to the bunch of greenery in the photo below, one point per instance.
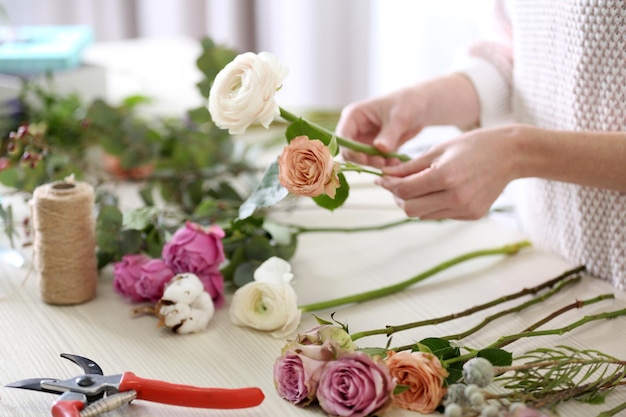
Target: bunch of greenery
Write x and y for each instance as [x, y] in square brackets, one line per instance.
[198, 171]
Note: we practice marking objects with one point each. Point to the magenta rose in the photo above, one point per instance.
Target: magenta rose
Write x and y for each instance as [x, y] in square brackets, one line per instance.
[154, 274]
[198, 250]
[213, 284]
[355, 385]
[126, 274]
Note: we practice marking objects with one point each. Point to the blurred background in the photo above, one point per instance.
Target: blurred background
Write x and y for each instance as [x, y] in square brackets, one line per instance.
[337, 51]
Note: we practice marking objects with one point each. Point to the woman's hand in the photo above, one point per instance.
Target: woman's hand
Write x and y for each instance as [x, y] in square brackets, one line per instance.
[458, 179]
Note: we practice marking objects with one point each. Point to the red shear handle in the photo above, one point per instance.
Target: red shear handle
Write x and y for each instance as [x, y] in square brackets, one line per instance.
[190, 396]
[68, 405]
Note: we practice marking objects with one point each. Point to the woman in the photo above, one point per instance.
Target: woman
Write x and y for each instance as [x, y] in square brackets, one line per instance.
[544, 100]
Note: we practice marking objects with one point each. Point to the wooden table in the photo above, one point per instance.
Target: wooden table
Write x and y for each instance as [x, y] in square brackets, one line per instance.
[326, 265]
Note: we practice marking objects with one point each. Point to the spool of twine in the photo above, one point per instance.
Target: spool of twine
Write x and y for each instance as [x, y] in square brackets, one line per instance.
[64, 250]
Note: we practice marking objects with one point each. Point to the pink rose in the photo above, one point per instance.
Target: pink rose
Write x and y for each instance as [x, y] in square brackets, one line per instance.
[424, 375]
[355, 385]
[307, 168]
[154, 274]
[126, 274]
[199, 251]
[213, 282]
[297, 371]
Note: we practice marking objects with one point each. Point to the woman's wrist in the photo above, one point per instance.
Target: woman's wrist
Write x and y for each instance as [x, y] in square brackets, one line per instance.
[450, 100]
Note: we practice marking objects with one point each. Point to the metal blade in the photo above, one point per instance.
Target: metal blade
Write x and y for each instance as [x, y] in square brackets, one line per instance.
[88, 366]
[32, 384]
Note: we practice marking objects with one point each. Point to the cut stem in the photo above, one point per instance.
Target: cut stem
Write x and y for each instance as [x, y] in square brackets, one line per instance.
[389, 330]
[505, 340]
[381, 292]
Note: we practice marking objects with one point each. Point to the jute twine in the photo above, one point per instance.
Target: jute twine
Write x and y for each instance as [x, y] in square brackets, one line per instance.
[64, 246]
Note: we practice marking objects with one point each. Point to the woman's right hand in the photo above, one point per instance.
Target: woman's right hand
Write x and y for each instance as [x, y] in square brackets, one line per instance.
[384, 122]
[388, 121]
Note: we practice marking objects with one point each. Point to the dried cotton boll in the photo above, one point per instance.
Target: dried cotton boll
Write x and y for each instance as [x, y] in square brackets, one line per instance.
[185, 306]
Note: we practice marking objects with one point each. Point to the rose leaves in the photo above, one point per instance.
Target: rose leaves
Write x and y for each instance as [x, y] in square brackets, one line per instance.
[270, 192]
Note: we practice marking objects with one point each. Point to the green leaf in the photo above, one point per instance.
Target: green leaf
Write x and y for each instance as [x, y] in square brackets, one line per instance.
[244, 273]
[399, 389]
[441, 348]
[108, 226]
[130, 242]
[268, 193]
[303, 128]
[322, 321]
[497, 357]
[200, 115]
[341, 196]
[141, 218]
[455, 372]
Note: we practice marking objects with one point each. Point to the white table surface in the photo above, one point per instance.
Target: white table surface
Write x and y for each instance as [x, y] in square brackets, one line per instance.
[325, 266]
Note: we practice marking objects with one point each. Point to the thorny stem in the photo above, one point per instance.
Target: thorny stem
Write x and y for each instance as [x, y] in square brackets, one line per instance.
[381, 292]
[516, 309]
[389, 330]
[346, 143]
[505, 340]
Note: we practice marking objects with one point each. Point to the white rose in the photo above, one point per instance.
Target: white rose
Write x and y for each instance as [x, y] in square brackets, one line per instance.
[243, 92]
[269, 303]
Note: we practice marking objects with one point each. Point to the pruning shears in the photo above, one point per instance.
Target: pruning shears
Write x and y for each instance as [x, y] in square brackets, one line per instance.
[93, 393]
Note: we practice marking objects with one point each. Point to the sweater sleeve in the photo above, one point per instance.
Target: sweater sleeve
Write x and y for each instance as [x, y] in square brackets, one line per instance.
[489, 66]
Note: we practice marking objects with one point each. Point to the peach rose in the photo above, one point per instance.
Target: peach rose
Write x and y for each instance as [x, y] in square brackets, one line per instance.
[307, 168]
[424, 375]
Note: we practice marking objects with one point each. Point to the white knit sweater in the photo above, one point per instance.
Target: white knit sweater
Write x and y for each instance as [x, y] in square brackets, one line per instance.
[562, 65]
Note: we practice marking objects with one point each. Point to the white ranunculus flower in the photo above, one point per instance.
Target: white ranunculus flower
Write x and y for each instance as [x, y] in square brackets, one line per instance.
[243, 92]
[269, 303]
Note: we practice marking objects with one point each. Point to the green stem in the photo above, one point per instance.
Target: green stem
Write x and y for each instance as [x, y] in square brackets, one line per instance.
[613, 411]
[303, 229]
[504, 340]
[389, 330]
[381, 292]
[359, 169]
[512, 310]
[346, 143]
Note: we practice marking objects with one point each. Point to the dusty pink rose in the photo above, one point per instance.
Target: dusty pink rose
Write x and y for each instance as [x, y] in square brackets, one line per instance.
[355, 385]
[424, 375]
[198, 250]
[297, 371]
[126, 274]
[307, 168]
[154, 274]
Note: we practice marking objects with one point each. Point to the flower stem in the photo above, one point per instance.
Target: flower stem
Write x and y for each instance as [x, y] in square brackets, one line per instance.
[505, 340]
[389, 330]
[303, 229]
[613, 411]
[381, 292]
[346, 143]
[360, 169]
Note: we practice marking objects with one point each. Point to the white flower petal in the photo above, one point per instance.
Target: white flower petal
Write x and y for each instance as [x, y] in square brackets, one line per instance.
[275, 271]
[266, 307]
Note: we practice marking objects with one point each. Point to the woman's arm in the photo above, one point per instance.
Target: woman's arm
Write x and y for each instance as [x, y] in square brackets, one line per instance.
[595, 159]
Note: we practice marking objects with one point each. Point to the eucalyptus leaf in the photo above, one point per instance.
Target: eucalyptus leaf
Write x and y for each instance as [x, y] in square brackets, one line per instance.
[244, 273]
[268, 193]
[141, 218]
